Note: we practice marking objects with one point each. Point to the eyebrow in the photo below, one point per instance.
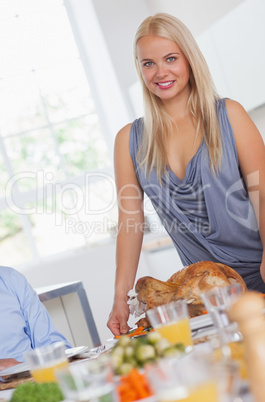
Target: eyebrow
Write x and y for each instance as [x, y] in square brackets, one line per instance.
[164, 57]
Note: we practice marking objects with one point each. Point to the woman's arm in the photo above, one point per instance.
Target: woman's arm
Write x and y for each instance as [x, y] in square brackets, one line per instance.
[251, 155]
[130, 230]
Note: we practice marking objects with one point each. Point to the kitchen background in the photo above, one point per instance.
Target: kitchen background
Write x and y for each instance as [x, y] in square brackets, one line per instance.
[67, 86]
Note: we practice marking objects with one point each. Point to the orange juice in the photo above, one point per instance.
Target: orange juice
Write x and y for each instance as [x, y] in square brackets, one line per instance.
[46, 373]
[177, 332]
[237, 350]
[206, 392]
[238, 354]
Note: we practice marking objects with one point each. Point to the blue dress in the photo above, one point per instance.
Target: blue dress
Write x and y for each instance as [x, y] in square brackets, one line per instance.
[209, 217]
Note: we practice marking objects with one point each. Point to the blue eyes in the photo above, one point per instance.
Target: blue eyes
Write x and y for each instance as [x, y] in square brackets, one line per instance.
[168, 60]
[148, 63]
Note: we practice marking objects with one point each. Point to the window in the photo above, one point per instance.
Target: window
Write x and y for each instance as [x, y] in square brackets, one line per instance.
[57, 190]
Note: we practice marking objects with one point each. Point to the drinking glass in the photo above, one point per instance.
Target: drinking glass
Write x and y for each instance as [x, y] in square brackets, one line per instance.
[218, 300]
[186, 379]
[171, 320]
[45, 360]
[229, 343]
[90, 380]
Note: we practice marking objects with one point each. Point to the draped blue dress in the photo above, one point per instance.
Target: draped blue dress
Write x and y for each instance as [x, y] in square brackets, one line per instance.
[209, 217]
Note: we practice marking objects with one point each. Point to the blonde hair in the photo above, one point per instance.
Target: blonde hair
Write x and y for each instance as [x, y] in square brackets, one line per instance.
[201, 103]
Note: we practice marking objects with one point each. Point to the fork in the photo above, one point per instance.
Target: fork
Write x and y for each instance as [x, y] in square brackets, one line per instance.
[92, 353]
[99, 349]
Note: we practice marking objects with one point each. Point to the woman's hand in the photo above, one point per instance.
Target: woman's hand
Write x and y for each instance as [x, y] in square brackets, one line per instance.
[6, 363]
[118, 318]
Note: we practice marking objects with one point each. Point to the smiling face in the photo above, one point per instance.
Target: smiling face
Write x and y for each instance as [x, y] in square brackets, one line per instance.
[164, 68]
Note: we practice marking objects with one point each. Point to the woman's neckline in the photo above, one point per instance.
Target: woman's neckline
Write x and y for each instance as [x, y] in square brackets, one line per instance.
[188, 167]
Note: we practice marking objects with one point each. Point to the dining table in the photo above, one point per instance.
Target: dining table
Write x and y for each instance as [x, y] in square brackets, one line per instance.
[201, 334]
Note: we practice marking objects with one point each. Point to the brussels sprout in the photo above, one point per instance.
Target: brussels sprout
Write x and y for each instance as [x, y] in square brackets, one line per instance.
[118, 351]
[124, 341]
[172, 351]
[161, 345]
[153, 337]
[145, 352]
[132, 361]
[124, 368]
[116, 361]
[128, 351]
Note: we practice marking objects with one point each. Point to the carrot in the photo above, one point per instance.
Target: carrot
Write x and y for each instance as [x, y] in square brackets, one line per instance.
[138, 381]
[138, 331]
[205, 312]
[127, 394]
[132, 387]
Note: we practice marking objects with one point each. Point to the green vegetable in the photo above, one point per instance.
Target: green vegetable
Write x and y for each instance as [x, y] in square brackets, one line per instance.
[34, 392]
[124, 368]
[129, 352]
[172, 352]
[162, 345]
[145, 352]
[136, 352]
[154, 337]
[124, 340]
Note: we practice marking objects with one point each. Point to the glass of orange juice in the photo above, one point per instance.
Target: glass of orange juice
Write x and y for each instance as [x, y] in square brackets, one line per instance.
[88, 380]
[171, 320]
[186, 379]
[45, 360]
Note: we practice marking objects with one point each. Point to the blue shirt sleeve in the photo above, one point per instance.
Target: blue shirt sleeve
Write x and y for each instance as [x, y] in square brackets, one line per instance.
[25, 322]
[39, 326]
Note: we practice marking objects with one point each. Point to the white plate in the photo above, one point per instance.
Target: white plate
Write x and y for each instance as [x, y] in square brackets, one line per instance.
[76, 351]
[19, 368]
[23, 367]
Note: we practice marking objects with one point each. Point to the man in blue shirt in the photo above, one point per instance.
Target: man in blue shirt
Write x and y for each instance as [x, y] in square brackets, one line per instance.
[24, 321]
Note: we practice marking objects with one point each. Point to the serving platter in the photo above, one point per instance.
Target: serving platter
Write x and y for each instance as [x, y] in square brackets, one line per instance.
[202, 321]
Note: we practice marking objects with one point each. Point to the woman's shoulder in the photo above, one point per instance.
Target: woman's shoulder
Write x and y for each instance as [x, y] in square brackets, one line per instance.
[123, 134]
[233, 106]
[237, 115]
[228, 103]
[124, 131]
[230, 110]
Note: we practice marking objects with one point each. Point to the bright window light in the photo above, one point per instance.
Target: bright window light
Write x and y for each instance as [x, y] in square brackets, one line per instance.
[57, 191]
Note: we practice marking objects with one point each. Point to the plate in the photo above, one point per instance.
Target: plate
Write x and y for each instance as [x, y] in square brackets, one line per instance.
[18, 369]
[71, 352]
[23, 367]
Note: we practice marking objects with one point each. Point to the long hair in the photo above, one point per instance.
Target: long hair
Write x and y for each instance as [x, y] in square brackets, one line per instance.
[201, 102]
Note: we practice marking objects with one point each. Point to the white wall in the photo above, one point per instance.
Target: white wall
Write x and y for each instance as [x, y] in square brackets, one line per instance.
[233, 48]
[197, 15]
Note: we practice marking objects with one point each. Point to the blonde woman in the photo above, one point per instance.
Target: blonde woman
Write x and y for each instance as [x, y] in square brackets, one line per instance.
[200, 159]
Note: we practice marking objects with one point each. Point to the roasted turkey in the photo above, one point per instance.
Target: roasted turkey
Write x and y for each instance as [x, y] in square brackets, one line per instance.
[188, 283]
